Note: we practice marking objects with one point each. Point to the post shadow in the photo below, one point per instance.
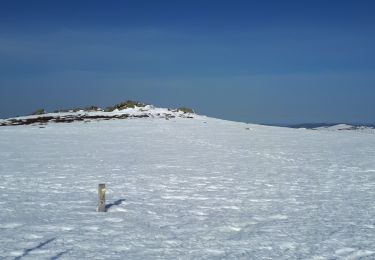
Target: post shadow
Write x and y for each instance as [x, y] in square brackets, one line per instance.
[116, 203]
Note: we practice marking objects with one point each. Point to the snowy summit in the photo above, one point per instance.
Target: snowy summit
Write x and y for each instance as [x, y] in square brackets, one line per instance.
[125, 110]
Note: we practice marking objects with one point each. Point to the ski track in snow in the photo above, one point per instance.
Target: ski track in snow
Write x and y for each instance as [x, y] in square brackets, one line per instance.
[197, 188]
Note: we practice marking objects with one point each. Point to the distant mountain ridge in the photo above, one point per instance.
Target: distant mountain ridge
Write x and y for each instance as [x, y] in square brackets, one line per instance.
[334, 127]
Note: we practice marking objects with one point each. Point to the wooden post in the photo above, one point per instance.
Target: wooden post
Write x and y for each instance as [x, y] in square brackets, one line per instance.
[101, 198]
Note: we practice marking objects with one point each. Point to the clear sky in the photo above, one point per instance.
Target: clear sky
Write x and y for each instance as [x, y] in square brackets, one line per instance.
[254, 61]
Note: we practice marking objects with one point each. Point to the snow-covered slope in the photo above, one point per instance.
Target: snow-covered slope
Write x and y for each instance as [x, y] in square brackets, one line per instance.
[197, 188]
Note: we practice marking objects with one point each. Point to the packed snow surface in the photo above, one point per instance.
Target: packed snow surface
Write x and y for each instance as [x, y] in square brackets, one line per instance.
[198, 188]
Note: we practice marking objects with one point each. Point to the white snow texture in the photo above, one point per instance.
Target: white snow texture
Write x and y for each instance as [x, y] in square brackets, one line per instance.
[198, 188]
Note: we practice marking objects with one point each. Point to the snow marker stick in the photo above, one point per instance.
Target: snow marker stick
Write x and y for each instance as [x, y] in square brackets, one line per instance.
[101, 198]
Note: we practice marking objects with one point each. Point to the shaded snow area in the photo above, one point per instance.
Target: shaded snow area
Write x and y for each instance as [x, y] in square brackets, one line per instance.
[196, 188]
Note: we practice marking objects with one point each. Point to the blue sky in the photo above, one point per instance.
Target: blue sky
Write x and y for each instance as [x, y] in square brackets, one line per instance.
[255, 61]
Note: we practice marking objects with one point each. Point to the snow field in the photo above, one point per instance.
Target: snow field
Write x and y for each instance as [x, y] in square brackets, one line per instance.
[197, 188]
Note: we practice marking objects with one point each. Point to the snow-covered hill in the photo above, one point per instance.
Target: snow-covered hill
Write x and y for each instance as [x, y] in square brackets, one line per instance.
[185, 188]
[336, 127]
[97, 115]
